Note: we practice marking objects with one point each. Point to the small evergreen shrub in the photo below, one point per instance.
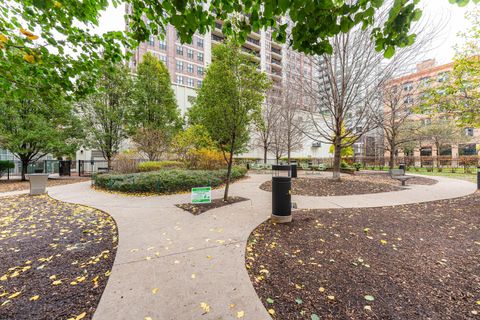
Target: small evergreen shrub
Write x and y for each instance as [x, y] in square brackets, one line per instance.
[5, 165]
[166, 181]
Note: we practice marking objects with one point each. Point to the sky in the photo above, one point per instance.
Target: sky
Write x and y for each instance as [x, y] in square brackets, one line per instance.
[436, 11]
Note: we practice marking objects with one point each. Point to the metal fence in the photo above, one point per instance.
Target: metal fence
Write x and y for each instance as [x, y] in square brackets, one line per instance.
[61, 167]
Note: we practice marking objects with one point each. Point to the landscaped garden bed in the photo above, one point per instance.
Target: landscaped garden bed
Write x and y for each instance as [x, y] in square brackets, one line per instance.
[199, 208]
[15, 184]
[348, 185]
[165, 181]
[417, 261]
[55, 258]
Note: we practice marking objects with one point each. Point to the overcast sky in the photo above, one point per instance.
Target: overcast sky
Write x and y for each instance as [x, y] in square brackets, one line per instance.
[434, 10]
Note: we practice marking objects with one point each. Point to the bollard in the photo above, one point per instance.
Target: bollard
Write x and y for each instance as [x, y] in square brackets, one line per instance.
[478, 178]
[293, 170]
[281, 199]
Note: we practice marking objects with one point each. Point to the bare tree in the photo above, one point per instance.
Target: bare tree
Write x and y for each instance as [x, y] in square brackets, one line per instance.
[397, 130]
[348, 87]
[278, 145]
[291, 119]
[267, 123]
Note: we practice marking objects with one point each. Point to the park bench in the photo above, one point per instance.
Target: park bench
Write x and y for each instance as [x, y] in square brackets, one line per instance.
[399, 174]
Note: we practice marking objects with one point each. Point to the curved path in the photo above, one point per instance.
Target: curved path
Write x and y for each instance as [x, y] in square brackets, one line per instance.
[195, 259]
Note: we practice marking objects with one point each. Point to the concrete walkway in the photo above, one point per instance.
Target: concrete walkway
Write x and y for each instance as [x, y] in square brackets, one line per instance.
[200, 259]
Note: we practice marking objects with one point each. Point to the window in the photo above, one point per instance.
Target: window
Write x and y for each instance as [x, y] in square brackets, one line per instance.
[200, 71]
[180, 50]
[162, 58]
[442, 77]
[445, 150]
[426, 152]
[162, 44]
[180, 79]
[469, 132]
[467, 149]
[408, 86]
[151, 41]
[190, 82]
[425, 81]
[190, 54]
[408, 99]
[200, 42]
[200, 56]
[179, 65]
[199, 83]
[190, 68]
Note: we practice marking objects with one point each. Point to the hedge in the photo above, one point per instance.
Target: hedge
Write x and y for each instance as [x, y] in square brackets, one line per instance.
[165, 181]
[159, 165]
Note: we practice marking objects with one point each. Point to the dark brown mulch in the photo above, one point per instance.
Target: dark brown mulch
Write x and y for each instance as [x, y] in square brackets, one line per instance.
[418, 261]
[200, 208]
[17, 185]
[55, 258]
[348, 185]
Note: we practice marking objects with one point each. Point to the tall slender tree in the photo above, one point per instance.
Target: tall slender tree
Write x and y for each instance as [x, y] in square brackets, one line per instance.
[230, 98]
[104, 111]
[154, 118]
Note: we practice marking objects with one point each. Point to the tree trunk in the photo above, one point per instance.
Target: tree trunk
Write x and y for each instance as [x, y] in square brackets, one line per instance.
[391, 160]
[25, 163]
[288, 155]
[265, 152]
[337, 158]
[229, 173]
[109, 163]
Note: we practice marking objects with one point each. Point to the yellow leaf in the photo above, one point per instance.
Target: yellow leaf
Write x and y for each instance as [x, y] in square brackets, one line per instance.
[331, 297]
[29, 58]
[34, 298]
[13, 295]
[33, 37]
[154, 290]
[205, 307]
[264, 271]
[80, 316]
[52, 277]
[321, 289]
[193, 276]
[26, 32]
[56, 282]
[4, 278]
[57, 4]
[3, 38]
[383, 241]
[240, 314]
[271, 311]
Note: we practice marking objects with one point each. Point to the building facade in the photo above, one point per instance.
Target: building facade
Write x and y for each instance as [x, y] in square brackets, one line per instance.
[412, 88]
[187, 63]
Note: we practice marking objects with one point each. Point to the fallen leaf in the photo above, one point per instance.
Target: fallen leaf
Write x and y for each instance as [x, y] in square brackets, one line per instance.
[34, 298]
[314, 317]
[271, 311]
[331, 297]
[321, 289]
[240, 314]
[205, 307]
[154, 290]
[367, 308]
[270, 300]
[13, 295]
[369, 297]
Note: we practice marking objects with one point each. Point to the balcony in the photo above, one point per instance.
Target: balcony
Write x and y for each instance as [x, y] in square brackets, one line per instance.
[276, 63]
[251, 51]
[277, 51]
[254, 41]
[217, 38]
[218, 25]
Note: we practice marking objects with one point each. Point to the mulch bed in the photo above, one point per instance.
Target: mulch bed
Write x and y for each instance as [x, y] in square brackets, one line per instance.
[348, 185]
[17, 185]
[55, 258]
[418, 261]
[200, 208]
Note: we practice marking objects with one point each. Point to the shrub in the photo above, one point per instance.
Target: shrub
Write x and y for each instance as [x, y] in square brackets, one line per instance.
[206, 159]
[126, 162]
[5, 165]
[159, 165]
[166, 181]
[357, 166]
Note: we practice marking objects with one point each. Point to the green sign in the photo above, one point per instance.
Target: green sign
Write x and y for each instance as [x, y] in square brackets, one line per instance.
[202, 195]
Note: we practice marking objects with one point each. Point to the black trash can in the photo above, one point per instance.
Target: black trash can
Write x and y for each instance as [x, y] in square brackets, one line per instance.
[293, 170]
[281, 199]
[403, 167]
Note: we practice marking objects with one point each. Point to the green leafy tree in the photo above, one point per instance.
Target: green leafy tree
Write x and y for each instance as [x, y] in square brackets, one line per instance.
[104, 111]
[195, 137]
[154, 117]
[313, 23]
[230, 98]
[36, 117]
[458, 95]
